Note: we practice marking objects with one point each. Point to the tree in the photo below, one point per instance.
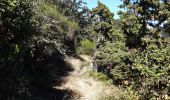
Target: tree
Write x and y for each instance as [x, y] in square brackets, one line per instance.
[31, 53]
[143, 63]
[111, 51]
[104, 20]
[143, 18]
[142, 22]
[17, 18]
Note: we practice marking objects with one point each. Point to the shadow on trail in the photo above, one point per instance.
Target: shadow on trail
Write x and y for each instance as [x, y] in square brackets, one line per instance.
[57, 69]
[52, 94]
[34, 76]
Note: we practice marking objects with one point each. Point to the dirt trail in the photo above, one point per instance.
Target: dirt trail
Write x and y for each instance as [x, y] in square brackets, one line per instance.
[83, 88]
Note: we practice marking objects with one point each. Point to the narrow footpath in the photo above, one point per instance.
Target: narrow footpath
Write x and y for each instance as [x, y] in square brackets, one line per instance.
[81, 87]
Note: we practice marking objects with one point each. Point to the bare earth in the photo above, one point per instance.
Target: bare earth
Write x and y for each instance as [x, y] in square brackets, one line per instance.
[84, 88]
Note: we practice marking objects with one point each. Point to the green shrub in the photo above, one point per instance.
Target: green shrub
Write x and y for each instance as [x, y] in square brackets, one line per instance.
[18, 18]
[50, 10]
[86, 47]
[150, 71]
[147, 71]
[98, 76]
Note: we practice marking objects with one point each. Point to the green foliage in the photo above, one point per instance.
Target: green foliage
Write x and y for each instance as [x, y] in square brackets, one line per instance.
[104, 20]
[86, 47]
[87, 44]
[137, 57]
[151, 71]
[51, 11]
[98, 76]
[14, 13]
[31, 50]
[75, 10]
[120, 96]
[145, 71]
[111, 52]
[17, 18]
[143, 18]
[33, 39]
[103, 12]
[59, 30]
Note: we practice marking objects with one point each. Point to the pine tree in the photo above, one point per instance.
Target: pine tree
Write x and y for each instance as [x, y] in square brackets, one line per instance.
[111, 53]
[104, 21]
[143, 23]
[103, 11]
[143, 18]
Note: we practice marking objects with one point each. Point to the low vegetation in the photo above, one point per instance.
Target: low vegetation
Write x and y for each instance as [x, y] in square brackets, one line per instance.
[131, 52]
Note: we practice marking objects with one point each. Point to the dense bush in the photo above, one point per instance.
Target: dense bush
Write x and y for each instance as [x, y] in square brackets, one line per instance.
[138, 57]
[31, 49]
[151, 72]
[86, 47]
[51, 11]
[36, 35]
[17, 17]
[146, 71]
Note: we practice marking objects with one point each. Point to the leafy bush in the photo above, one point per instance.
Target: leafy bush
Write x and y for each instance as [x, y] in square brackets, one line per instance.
[150, 71]
[98, 76]
[86, 47]
[31, 56]
[147, 72]
[138, 56]
[50, 10]
[17, 17]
